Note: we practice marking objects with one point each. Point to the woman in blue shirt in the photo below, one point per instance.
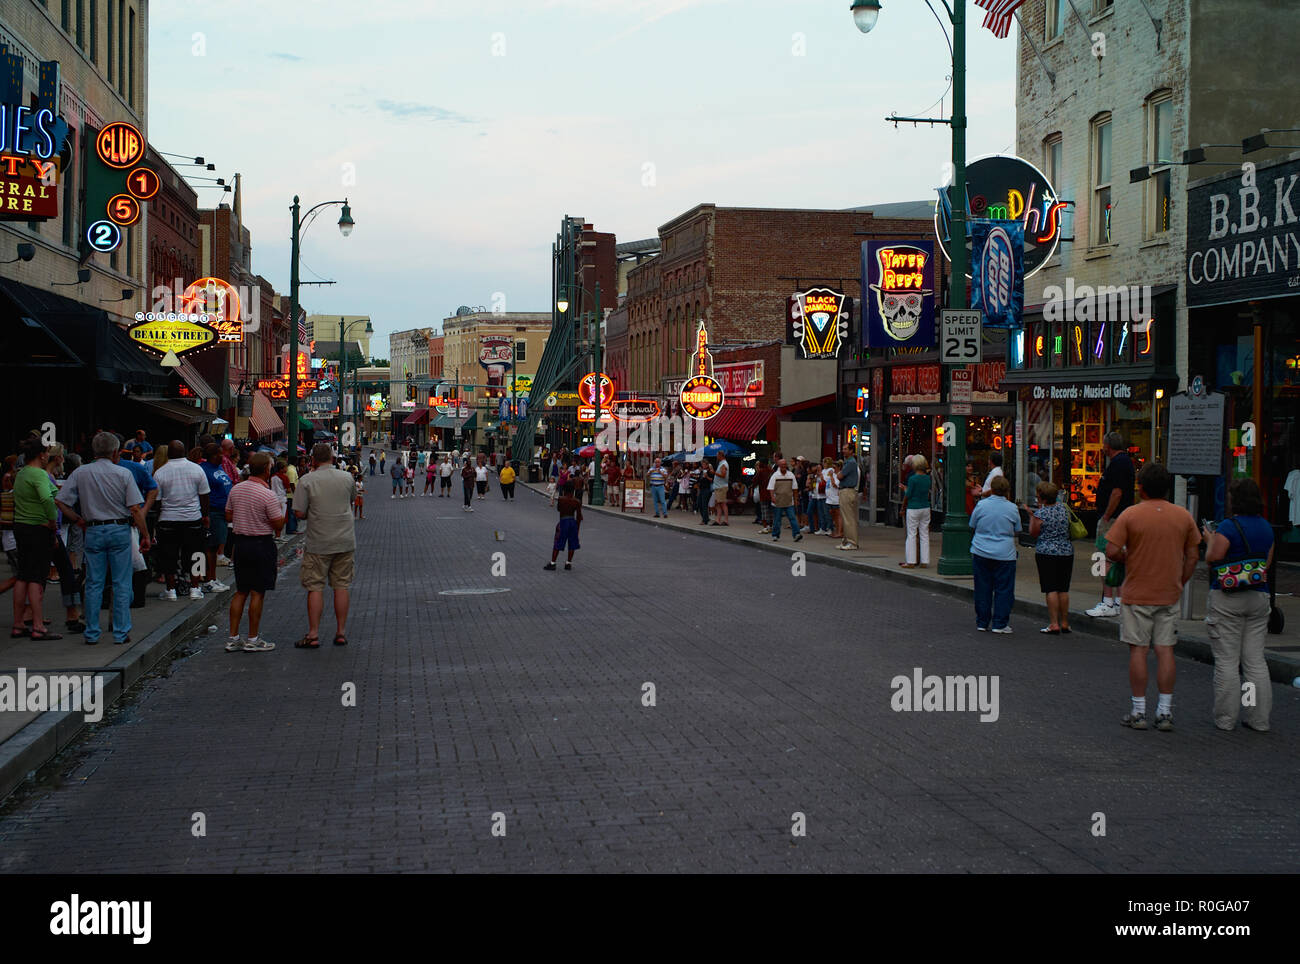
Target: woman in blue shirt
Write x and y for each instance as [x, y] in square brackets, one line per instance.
[1237, 621]
[993, 557]
[916, 510]
[1054, 556]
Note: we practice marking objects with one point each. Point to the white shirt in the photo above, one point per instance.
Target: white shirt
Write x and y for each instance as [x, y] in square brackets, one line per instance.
[480, 473]
[993, 474]
[786, 475]
[832, 490]
[444, 469]
[180, 483]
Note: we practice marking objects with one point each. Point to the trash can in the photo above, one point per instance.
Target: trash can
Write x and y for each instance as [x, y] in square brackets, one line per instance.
[534, 473]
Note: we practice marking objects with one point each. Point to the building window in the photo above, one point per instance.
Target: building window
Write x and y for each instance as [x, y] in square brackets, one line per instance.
[65, 15]
[69, 187]
[1101, 6]
[94, 31]
[521, 351]
[130, 74]
[1101, 199]
[1052, 160]
[1056, 10]
[121, 45]
[1160, 148]
[81, 24]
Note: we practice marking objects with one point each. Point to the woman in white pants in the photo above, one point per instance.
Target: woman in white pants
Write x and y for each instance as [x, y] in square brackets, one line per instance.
[916, 506]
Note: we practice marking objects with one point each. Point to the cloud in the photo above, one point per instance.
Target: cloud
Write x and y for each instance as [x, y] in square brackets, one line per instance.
[280, 55]
[431, 111]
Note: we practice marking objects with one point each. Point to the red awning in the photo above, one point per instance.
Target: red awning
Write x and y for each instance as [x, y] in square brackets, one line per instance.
[738, 424]
[264, 421]
[196, 382]
[419, 417]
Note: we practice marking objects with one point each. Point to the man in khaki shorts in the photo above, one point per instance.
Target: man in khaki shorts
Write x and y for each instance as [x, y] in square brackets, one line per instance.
[324, 498]
[1158, 544]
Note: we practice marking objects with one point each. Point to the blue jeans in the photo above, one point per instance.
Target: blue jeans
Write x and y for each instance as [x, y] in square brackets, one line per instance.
[661, 505]
[995, 590]
[108, 556]
[290, 520]
[781, 512]
[819, 516]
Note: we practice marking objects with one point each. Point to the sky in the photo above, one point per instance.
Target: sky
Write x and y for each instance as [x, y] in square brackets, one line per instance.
[463, 131]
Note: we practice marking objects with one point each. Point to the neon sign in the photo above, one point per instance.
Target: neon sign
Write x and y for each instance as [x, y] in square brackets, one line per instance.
[221, 302]
[1146, 330]
[587, 389]
[701, 395]
[818, 322]
[902, 277]
[861, 400]
[19, 123]
[119, 145]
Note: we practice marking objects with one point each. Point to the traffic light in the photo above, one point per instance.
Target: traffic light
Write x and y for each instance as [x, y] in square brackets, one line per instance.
[117, 185]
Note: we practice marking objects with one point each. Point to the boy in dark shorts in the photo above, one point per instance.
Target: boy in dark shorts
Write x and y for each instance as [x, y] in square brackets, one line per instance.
[566, 532]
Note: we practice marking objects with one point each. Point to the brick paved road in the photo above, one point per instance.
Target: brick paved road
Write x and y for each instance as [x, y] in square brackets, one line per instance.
[773, 696]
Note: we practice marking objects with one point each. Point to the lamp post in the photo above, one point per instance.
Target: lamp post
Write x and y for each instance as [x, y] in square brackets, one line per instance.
[343, 371]
[954, 558]
[562, 303]
[299, 225]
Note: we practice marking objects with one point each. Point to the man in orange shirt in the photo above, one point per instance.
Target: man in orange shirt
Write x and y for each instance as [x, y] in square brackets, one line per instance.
[1157, 542]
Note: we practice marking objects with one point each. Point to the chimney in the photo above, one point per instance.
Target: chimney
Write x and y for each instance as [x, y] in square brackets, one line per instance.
[238, 209]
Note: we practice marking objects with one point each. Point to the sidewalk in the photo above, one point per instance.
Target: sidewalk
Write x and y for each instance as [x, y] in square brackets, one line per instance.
[881, 551]
[28, 740]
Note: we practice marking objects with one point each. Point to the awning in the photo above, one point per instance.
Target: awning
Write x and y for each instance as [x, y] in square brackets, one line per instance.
[306, 423]
[446, 421]
[264, 419]
[177, 412]
[805, 405]
[197, 383]
[419, 417]
[739, 424]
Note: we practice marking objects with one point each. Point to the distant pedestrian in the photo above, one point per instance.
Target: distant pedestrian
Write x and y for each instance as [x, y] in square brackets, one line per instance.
[995, 472]
[507, 479]
[383, 458]
[256, 516]
[373, 463]
[1237, 618]
[566, 530]
[1049, 524]
[552, 482]
[1114, 496]
[657, 478]
[916, 512]
[444, 476]
[398, 474]
[183, 491]
[359, 501]
[481, 476]
[993, 556]
[430, 473]
[324, 499]
[410, 475]
[1158, 544]
[219, 487]
[721, 484]
[467, 482]
[849, 479]
[784, 487]
[34, 518]
[704, 490]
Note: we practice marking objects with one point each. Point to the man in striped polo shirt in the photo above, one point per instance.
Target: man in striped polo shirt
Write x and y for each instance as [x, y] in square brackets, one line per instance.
[257, 518]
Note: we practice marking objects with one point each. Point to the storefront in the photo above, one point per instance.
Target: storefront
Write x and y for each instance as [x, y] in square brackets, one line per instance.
[1084, 370]
[1243, 298]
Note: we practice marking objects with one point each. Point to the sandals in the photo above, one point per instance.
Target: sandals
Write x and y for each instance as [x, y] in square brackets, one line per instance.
[307, 642]
[1049, 631]
[339, 640]
[38, 635]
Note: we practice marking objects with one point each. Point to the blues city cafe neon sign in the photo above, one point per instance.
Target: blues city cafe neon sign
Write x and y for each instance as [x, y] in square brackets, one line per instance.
[1005, 188]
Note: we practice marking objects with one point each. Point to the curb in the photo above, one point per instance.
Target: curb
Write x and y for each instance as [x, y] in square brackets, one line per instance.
[1282, 668]
[37, 743]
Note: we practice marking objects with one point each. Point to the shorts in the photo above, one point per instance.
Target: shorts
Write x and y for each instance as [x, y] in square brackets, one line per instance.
[35, 552]
[445, 481]
[255, 563]
[397, 484]
[566, 534]
[1148, 625]
[482, 487]
[218, 530]
[332, 568]
[1054, 572]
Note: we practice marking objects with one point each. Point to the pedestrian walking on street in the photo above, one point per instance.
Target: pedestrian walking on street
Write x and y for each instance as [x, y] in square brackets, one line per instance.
[383, 457]
[373, 462]
[721, 484]
[507, 479]
[849, 480]
[410, 476]
[467, 481]
[658, 478]
[1158, 544]
[359, 503]
[831, 471]
[444, 476]
[1049, 524]
[183, 491]
[784, 487]
[552, 482]
[110, 503]
[916, 512]
[704, 491]
[430, 473]
[256, 517]
[398, 475]
[219, 488]
[481, 476]
[566, 530]
[35, 515]
[993, 556]
[1237, 616]
[819, 517]
[324, 499]
[1114, 496]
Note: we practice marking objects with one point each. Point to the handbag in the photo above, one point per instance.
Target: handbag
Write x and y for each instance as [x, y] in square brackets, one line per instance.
[1077, 529]
[1243, 574]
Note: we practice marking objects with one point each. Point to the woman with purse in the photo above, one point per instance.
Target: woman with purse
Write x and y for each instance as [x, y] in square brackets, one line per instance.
[1238, 555]
[1050, 525]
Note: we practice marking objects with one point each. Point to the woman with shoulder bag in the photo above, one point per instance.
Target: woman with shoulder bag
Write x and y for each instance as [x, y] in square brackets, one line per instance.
[1238, 555]
[1050, 526]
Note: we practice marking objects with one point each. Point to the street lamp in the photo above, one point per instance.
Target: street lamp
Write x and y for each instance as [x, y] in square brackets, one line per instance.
[562, 303]
[343, 358]
[954, 558]
[300, 224]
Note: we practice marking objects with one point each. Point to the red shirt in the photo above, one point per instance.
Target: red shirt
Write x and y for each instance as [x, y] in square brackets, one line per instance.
[254, 509]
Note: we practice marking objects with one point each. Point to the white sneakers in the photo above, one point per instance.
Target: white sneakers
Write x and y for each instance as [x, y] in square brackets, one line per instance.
[168, 595]
[196, 592]
[1107, 607]
[223, 561]
[216, 585]
[237, 644]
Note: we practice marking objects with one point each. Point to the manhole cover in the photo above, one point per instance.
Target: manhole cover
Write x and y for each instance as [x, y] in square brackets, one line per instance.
[470, 592]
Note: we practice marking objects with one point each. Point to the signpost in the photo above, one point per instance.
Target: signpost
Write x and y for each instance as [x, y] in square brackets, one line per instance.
[960, 343]
[634, 494]
[960, 393]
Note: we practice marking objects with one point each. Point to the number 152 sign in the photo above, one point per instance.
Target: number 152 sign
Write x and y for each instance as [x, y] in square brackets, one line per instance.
[960, 342]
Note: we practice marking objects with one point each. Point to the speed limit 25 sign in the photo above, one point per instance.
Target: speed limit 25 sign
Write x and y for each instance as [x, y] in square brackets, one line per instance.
[959, 337]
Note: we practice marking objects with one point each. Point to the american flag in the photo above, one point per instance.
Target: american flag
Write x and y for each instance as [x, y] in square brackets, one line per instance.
[302, 330]
[998, 18]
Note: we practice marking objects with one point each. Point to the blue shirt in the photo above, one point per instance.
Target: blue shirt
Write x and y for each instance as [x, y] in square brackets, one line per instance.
[996, 522]
[143, 477]
[656, 476]
[219, 485]
[1258, 533]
